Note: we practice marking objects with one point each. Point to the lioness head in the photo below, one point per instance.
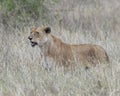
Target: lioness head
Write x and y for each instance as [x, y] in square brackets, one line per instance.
[39, 36]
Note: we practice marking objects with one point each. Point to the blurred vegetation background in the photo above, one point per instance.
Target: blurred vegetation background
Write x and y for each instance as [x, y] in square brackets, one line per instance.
[96, 16]
[22, 11]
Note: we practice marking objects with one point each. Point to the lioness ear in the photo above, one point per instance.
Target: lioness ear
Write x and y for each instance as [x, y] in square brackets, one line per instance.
[47, 30]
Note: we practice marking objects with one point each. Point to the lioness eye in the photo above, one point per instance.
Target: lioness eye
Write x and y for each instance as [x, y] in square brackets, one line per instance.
[37, 32]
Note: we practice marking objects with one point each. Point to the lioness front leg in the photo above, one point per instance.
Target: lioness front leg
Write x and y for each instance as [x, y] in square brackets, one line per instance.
[48, 63]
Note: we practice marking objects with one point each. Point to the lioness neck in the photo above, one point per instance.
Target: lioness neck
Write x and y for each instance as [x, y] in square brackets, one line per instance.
[51, 47]
[54, 46]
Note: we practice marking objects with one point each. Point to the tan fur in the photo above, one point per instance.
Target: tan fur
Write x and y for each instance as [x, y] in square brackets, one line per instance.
[66, 54]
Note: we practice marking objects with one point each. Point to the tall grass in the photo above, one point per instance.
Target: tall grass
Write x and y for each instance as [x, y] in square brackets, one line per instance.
[74, 21]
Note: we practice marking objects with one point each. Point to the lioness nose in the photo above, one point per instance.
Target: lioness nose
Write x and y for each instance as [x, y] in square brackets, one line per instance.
[30, 38]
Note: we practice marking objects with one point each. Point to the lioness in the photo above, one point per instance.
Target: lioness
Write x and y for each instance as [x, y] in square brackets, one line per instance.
[64, 54]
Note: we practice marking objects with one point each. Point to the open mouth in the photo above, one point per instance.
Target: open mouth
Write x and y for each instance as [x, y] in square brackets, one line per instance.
[33, 44]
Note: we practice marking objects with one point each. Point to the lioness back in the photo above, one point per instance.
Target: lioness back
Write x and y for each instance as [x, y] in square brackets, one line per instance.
[91, 53]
